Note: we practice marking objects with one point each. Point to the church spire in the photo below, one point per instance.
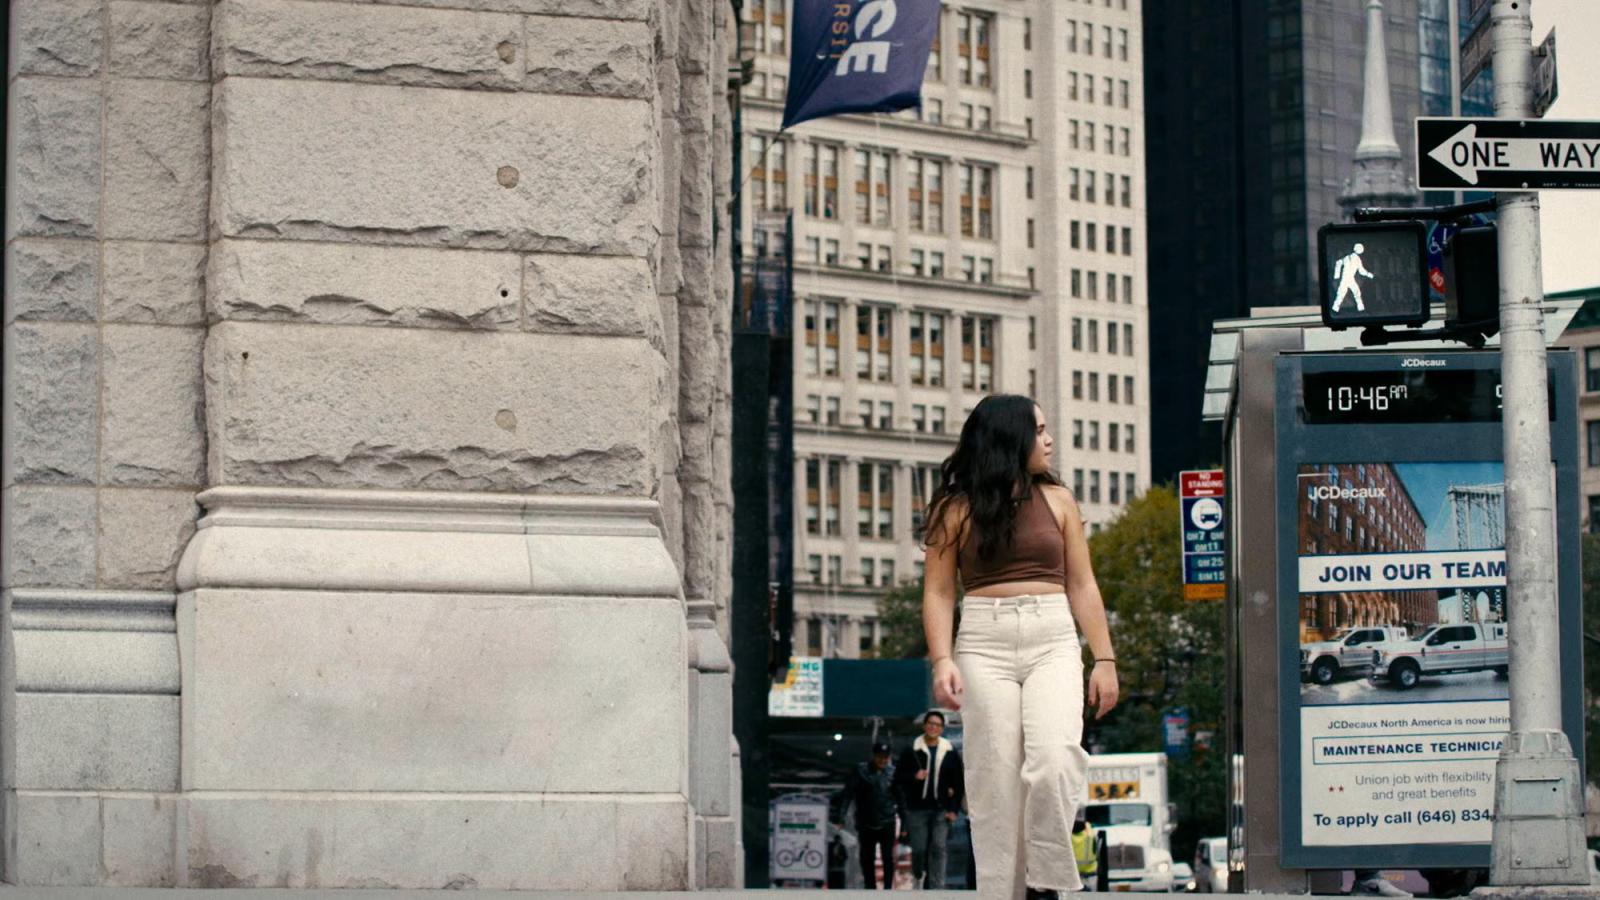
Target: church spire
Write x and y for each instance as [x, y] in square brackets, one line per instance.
[1379, 177]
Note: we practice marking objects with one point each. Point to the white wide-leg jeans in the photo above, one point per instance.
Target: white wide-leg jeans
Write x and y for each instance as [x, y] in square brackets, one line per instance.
[1022, 717]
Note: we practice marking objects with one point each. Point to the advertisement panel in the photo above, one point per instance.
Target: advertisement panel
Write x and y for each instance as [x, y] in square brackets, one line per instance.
[1403, 657]
[799, 695]
[1392, 602]
[799, 839]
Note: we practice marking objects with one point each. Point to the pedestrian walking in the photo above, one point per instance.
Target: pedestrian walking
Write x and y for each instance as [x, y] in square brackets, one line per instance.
[871, 790]
[931, 787]
[1005, 529]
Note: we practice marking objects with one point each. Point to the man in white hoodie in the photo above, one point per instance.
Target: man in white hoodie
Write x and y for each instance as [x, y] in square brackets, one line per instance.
[931, 789]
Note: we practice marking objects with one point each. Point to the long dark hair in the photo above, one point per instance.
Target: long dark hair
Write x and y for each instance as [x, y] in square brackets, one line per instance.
[989, 469]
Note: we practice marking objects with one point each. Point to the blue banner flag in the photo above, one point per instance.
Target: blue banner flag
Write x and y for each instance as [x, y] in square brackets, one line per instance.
[858, 56]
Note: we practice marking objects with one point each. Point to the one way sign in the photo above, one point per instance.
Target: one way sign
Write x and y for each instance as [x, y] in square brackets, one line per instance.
[1507, 154]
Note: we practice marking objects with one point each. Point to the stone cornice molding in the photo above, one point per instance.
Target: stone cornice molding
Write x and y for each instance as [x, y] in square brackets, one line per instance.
[451, 542]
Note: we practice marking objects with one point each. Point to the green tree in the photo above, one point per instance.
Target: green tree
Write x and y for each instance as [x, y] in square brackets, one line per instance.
[900, 618]
[1169, 654]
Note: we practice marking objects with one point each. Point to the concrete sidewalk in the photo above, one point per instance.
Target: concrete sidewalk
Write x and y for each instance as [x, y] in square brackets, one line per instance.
[7, 892]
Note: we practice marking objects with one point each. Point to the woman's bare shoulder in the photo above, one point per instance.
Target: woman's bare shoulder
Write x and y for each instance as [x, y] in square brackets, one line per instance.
[1061, 500]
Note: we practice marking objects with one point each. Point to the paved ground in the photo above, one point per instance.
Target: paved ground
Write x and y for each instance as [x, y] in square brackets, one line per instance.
[364, 894]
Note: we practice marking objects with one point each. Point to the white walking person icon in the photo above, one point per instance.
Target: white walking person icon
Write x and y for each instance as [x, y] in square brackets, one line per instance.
[1346, 270]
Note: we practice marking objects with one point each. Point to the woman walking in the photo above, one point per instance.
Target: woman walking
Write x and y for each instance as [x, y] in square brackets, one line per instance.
[1013, 535]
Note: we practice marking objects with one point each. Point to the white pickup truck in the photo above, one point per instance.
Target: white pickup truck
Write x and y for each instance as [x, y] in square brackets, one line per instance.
[1349, 653]
[1470, 647]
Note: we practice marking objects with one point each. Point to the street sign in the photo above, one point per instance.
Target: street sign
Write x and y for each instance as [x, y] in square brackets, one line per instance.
[1374, 274]
[1507, 154]
[1200, 495]
[1544, 75]
[1175, 731]
[799, 695]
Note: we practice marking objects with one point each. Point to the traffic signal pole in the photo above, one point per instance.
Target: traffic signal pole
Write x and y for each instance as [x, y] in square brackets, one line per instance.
[1538, 834]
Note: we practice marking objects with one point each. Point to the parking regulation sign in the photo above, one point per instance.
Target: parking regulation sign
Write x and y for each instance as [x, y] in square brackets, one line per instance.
[1200, 496]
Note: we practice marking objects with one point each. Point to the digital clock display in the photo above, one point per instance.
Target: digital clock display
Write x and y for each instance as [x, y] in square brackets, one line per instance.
[1415, 396]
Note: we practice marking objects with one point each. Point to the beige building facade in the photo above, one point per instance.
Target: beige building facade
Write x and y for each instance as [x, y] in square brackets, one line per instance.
[992, 242]
[366, 412]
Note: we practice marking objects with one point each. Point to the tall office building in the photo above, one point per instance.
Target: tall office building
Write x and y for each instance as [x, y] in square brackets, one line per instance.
[1258, 108]
[992, 242]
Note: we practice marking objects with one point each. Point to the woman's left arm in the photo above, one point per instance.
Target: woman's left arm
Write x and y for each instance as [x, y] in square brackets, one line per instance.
[1089, 610]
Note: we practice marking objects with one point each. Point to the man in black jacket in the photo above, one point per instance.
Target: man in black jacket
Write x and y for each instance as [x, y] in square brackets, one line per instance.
[931, 790]
[871, 789]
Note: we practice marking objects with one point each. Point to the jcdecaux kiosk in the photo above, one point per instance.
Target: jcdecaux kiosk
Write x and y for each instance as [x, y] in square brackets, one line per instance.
[1368, 667]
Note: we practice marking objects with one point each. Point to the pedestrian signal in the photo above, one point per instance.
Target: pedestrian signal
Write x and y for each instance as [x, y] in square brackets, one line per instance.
[1472, 291]
[1374, 274]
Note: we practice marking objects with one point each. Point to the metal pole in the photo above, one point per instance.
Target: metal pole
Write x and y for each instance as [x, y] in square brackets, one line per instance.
[1538, 826]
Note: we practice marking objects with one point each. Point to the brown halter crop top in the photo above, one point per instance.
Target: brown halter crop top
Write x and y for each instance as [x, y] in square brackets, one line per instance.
[1037, 551]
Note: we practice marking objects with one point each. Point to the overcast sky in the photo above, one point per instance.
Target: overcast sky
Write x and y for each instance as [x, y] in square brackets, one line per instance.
[1570, 220]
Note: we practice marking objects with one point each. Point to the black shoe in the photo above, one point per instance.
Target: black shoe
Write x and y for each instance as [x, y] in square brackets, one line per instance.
[1046, 894]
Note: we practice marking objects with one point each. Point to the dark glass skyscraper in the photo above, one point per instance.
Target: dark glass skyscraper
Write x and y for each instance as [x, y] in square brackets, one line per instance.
[1253, 112]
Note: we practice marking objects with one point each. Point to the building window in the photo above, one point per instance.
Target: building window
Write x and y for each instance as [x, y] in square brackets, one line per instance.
[1113, 489]
[977, 200]
[977, 352]
[1073, 234]
[935, 70]
[1592, 431]
[1030, 232]
[1127, 191]
[1127, 486]
[1094, 486]
[1094, 387]
[1127, 445]
[1089, 241]
[1591, 369]
[835, 569]
[1122, 46]
[1111, 238]
[831, 416]
[886, 573]
[985, 270]
[1072, 36]
[1111, 288]
[1077, 333]
[1088, 182]
[1127, 289]
[822, 181]
[1111, 395]
[1105, 84]
[869, 640]
[1122, 91]
[1027, 83]
[1127, 388]
[925, 194]
[937, 421]
[1127, 339]
[1111, 337]
[830, 509]
[822, 343]
[1077, 434]
[1105, 41]
[868, 571]
[814, 573]
[1125, 144]
[864, 412]
[1077, 283]
[1077, 385]
[1094, 294]
[872, 187]
[919, 417]
[1072, 184]
[927, 348]
[814, 500]
[1594, 513]
[1027, 34]
[768, 179]
[1094, 435]
[972, 51]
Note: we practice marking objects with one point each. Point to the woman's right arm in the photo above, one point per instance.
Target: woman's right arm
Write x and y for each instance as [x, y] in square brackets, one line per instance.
[939, 610]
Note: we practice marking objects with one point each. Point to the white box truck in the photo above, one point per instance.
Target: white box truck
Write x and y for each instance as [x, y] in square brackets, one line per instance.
[1128, 805]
